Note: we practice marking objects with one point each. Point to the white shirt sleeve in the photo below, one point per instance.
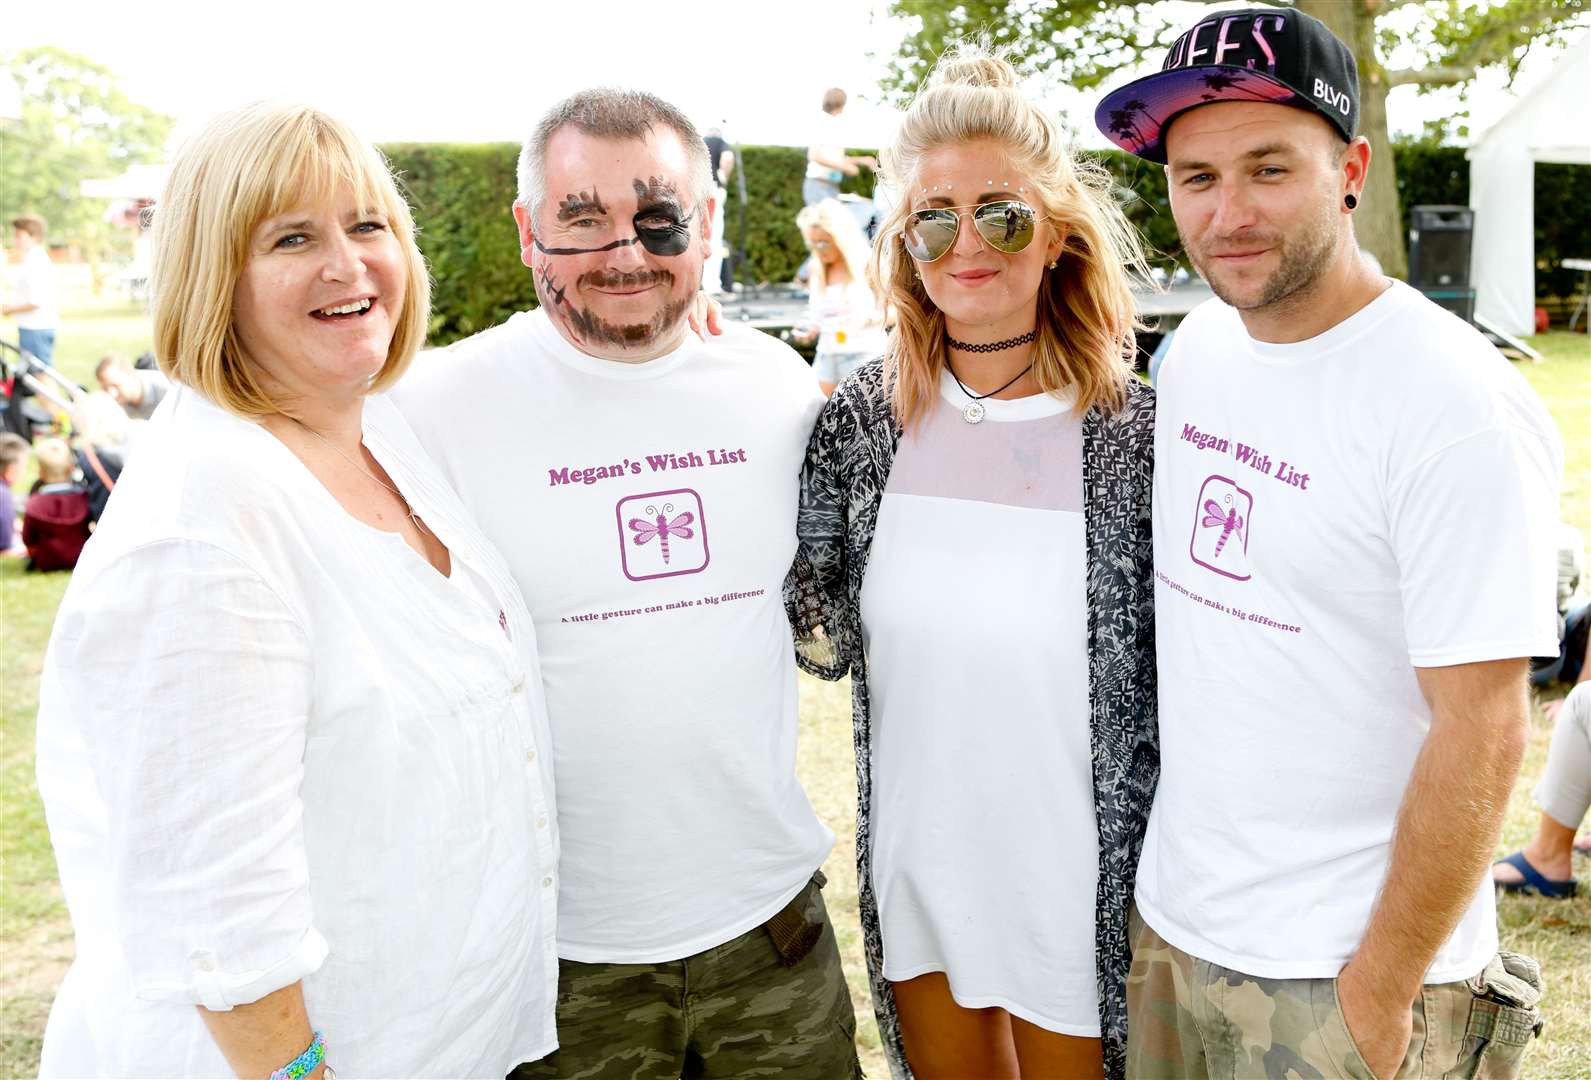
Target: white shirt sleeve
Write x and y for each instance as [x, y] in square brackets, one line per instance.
[1473, 530]
[190, 682]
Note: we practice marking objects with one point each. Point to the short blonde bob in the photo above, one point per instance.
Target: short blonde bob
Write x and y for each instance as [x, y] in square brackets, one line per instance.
[245, 167]
[1086, 313]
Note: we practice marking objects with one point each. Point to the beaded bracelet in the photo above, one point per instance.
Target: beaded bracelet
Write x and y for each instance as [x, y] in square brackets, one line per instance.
[304, 1063]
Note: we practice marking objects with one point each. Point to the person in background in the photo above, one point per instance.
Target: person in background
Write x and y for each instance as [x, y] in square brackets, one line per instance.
[13, 457]
[1545, 866]
[827, 162]
[1354, 503]
[34, 305]
[975, 517]
[101, 447]
[56, 521]
[716, 278]
[843, 315]
[137, 390]
[292, 743]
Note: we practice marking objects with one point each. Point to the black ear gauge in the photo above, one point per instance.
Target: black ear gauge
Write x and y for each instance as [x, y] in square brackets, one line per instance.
[1350, 200]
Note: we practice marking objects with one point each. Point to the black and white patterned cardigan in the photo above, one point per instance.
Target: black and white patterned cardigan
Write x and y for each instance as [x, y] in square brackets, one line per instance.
[848, 463]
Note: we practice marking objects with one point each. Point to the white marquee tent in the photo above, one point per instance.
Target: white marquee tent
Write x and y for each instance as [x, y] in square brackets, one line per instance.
[1546, 125]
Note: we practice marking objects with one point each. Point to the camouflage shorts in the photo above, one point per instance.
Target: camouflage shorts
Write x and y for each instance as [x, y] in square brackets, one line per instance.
[1187, 1017]
[734, 1010]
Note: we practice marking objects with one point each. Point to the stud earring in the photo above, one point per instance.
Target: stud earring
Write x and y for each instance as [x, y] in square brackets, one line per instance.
[1053, 262]
[1350, 201]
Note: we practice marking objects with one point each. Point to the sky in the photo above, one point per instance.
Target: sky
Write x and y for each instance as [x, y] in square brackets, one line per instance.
[470, 70]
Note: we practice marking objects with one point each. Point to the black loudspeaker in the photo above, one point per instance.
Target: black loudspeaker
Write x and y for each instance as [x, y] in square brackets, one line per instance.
[1439, 246]
[1460, 302]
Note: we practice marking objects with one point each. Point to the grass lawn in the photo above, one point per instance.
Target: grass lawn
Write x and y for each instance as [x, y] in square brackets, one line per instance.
[35, 935]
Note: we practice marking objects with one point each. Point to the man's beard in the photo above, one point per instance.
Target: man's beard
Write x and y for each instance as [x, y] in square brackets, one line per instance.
[591, 328]
[1304, 258]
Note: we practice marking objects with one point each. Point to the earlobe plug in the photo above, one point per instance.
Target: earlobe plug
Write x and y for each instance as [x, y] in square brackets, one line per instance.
[1350, 200]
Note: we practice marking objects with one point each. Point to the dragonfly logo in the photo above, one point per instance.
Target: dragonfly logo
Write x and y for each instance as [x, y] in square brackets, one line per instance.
[662, 534]
[1221, 528]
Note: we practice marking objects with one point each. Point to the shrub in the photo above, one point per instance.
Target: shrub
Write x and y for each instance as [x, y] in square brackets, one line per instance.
[462, 194]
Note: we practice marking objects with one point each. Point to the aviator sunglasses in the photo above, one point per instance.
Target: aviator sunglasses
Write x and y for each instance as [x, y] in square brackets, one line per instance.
[1005, 225]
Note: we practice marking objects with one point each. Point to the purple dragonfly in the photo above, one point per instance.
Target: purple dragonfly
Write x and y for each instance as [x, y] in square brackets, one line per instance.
[1229, 522]
[662, 528]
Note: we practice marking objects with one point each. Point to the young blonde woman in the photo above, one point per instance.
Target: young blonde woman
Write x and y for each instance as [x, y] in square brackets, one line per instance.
[843, 316]
[975, 518]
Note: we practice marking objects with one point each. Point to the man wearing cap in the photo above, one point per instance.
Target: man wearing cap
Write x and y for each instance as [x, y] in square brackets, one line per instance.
[1354, 505]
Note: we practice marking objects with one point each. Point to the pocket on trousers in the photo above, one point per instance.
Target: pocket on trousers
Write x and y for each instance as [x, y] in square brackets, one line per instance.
[1504, 1015]
[1334, 1034]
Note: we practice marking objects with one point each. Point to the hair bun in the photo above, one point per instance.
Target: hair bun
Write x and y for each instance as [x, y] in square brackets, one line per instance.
[973, 63]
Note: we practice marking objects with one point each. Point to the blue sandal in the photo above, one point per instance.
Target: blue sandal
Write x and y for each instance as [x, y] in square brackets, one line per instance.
[1534, 881]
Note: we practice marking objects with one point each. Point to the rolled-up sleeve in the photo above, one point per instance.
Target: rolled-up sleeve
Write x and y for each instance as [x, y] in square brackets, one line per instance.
[190, 683]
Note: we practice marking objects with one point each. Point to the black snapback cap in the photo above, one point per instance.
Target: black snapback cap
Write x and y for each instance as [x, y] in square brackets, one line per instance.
[1276, 55]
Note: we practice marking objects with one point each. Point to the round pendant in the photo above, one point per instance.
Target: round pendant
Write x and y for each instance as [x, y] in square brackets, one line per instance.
[973, 413]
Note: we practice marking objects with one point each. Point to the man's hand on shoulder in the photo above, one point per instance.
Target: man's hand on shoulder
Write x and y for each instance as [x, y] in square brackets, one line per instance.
[706, 316]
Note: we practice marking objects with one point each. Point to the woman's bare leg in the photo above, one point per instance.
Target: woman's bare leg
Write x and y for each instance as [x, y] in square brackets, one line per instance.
[945, 1041]
[1048, 1055]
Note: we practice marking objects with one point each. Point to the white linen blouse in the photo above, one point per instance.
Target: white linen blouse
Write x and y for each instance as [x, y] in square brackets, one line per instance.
[276, 744]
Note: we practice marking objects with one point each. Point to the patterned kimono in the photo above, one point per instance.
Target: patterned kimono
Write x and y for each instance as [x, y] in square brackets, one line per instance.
[848, 463]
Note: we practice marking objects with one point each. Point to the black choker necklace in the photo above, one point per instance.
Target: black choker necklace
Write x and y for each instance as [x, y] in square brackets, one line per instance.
[993, 346]
[974, 412]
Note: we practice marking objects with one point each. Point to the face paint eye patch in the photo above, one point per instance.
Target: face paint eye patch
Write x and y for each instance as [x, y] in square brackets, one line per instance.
[662, 240]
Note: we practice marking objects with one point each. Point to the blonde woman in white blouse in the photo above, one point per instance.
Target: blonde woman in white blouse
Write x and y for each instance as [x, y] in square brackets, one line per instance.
[292, 742]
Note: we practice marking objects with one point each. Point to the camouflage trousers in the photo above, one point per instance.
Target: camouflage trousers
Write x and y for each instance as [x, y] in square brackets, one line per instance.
[1190, 1018]
[735, 1010]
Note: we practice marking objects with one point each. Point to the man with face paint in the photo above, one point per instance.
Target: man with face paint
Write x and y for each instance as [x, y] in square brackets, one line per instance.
[1355, 502]
[642, 485]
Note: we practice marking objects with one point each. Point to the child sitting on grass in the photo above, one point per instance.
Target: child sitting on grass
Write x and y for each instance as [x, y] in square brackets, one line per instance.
[13, 456]
[55, 523]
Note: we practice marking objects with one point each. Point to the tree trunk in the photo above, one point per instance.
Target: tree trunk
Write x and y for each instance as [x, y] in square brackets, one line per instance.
[1377, 223]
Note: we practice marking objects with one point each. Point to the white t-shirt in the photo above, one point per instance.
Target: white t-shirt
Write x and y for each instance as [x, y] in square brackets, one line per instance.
[36, 285]
[275, 744]
[1329, 515]
[975, 622]
[828, 138]
[648, 512]
[848, 319]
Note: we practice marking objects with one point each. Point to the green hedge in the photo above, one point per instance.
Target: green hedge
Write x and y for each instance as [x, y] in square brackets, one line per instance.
[462, 196]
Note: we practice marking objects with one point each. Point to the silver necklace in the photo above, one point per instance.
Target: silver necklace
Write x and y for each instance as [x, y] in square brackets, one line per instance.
[974, 412]
[418, 524]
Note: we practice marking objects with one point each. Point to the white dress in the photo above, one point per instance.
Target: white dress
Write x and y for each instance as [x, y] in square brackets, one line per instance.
[275, 744]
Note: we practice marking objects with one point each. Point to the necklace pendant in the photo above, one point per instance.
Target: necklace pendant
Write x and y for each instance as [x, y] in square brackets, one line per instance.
[973, 413]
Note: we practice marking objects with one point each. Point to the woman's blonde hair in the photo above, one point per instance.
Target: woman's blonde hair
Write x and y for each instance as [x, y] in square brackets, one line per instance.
[1086, 314]
[832, 217]
[245, 167]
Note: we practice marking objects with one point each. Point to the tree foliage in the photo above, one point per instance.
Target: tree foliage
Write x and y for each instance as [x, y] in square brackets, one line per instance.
[76, 125]
[1082, 42]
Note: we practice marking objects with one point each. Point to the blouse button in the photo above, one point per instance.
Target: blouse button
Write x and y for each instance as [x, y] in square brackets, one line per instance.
[541, 823]
[530, 755]
[519, 684]
[546, 882]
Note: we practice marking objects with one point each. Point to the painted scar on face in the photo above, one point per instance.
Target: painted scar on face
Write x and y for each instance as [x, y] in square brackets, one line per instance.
[580, 202]
[552, 292]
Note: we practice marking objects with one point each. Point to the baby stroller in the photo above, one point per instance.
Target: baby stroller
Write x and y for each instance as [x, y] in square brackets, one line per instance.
[24, 381]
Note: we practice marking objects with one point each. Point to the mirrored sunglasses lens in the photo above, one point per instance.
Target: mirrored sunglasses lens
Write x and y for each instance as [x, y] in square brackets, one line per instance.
[1007, 226]
[930, 233]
